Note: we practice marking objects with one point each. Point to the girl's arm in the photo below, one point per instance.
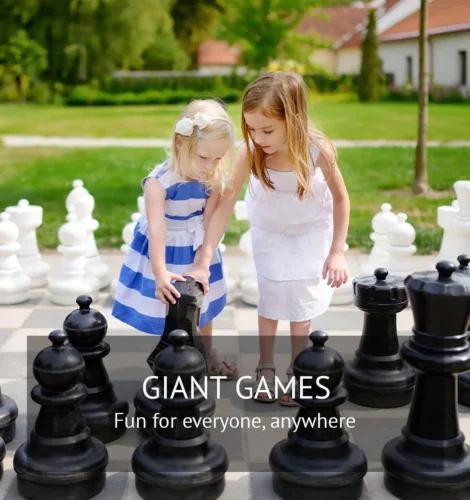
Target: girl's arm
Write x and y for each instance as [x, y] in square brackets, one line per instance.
[155, 195]
[219, 219]
[335, 265]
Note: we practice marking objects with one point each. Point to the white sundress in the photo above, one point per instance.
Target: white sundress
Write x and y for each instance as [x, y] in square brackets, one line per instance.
[135, 302]
[291, 239]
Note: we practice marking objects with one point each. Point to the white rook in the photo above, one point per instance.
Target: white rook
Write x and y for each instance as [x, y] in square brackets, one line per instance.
[28, 218]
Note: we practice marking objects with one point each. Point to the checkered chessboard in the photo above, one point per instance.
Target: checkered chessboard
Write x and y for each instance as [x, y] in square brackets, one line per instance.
[248, 476]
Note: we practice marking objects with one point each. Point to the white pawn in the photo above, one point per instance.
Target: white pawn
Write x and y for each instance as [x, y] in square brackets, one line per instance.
[28, 218]
[15, 284]
[345, 293]
[382, 223]
[72, 278]
[230, 282]
[77, 192]
[84, 206]
[127, 236]
[462, 221]
[446, 216]
[248, 276]
[401, 238]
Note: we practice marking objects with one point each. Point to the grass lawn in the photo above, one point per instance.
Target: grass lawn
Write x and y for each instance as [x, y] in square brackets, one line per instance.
[339, 120]
[373, 176]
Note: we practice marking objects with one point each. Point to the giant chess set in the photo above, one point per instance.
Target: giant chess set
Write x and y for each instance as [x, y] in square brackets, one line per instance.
[392, 352]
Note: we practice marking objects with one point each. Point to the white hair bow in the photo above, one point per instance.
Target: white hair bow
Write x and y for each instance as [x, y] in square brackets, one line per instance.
[185, 126]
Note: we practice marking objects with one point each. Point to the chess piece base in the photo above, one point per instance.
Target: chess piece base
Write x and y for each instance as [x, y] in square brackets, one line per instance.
[206, 492]
[464, 389]
[14, 288]
[379, 388]
[416, 468]
[328, 470]
[195, 469]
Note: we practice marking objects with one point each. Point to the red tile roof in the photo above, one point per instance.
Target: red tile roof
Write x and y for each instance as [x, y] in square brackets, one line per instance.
[444, 16]
[332, 23]
[215, 52]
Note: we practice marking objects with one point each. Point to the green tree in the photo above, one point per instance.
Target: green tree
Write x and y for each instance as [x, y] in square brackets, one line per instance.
[369, 78]
[195, 21]
[267, 29]
[24, 59]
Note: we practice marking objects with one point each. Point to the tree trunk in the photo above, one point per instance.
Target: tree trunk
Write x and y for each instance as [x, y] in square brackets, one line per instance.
[421, 176]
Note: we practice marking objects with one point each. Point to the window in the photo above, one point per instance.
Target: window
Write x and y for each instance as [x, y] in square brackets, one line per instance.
[463, 67]
[409, 69]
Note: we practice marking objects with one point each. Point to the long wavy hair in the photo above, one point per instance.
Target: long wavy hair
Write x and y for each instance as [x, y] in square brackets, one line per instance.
[283, 95]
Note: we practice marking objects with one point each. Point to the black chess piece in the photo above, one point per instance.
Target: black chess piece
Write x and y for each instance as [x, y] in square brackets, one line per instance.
[317, 460]
[377, 377]
[61, 460]
[430, 459]
[464, 378]
[8, 416]
[2, 456]
[180, 460]
[183, 315]
[86, 329]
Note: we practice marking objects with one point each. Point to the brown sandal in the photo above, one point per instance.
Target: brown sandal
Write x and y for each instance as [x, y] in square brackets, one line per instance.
[290, 403]
[268, 382]
[221, 367]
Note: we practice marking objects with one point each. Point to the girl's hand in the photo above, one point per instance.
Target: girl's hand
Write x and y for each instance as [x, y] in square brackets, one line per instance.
[200, 274]
[165, 291]
[336, 270]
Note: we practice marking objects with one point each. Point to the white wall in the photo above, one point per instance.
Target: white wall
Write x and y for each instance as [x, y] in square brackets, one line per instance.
[393, 55]
[325, 58]
[348, 61]
[443, 58]
[445, 49]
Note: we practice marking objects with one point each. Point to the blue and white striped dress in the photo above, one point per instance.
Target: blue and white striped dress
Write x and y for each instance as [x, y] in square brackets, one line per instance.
[135, 303]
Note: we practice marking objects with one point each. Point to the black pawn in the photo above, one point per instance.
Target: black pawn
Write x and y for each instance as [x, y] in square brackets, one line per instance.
[318, 461]
[430, 459]
[2, 456]
[464, 378]
[86, 329]
[180, 461]
[184, 315]
[377, 377]
[60, 460]
[8, 416]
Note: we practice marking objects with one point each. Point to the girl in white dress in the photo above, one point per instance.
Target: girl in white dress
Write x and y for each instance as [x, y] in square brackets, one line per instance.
[298, 208]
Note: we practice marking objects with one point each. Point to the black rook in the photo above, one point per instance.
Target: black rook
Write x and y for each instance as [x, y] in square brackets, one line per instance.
[430, 459]
[378, 377]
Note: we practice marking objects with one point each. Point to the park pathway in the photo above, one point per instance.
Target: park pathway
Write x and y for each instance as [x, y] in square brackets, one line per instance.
[88, 142]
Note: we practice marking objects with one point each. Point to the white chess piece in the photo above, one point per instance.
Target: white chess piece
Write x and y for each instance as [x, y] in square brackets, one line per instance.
[84, 206]
[77, 192]
[141, 205]
[230, 282]
[462, 220]
[28, 218]
[127, 236]
[248, 277]
[345, 293]
[72, 279]
[401, 238]
[15, 284]
[382, 223]
[446, 216]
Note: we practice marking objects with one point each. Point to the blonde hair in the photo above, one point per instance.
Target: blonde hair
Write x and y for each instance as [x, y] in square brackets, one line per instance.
[283, 95]
[181, 159]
